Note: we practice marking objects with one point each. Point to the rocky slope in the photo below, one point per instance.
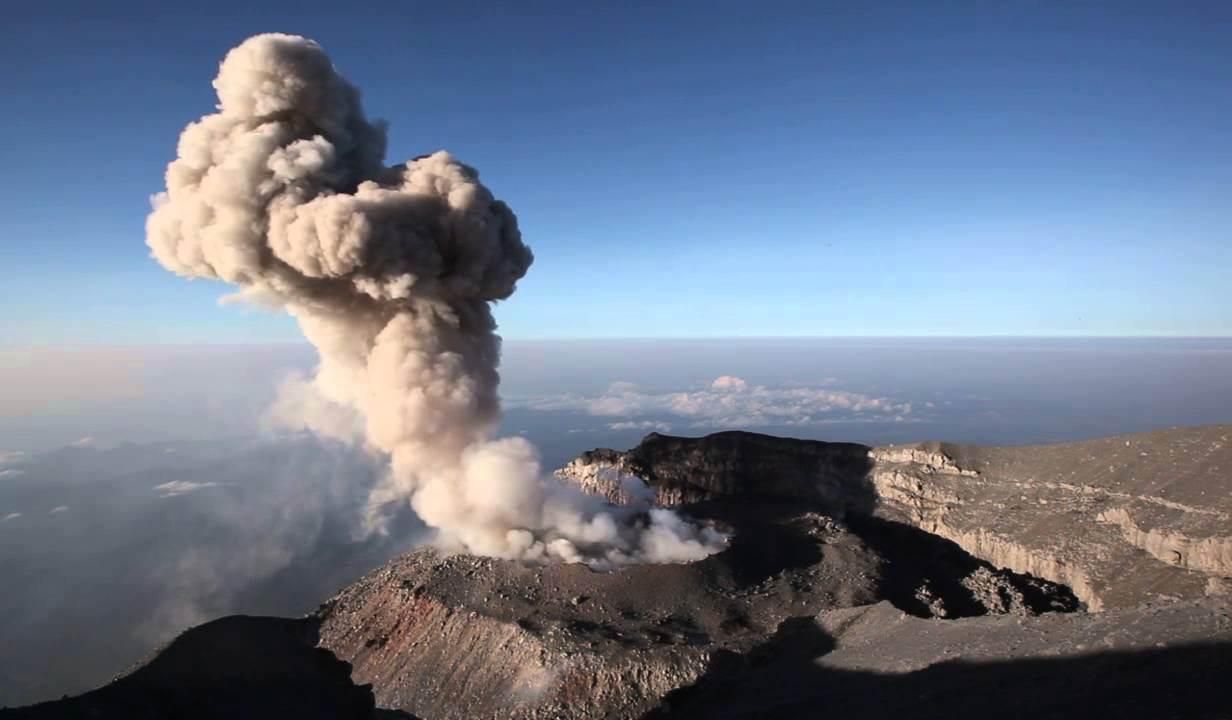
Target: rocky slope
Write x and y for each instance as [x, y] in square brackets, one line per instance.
[467, 637]
[938, 532]
[1120, 520]
[1148, 663]
[920, 581]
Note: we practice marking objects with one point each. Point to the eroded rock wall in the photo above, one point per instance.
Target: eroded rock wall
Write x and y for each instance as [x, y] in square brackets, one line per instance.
[1119, 520]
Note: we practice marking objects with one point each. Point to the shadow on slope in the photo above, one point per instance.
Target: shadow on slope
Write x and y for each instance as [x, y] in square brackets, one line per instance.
[236, 667]
[762, 488]
[764, 541]
[918, 559]
[780, 678]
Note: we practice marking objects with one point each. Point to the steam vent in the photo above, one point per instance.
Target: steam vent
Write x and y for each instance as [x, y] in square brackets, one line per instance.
[917, 581]
[843, 559]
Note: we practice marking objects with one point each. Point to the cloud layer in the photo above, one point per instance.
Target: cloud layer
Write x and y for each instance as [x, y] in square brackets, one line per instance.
[8, 457]
[181, 487]
[727, 401]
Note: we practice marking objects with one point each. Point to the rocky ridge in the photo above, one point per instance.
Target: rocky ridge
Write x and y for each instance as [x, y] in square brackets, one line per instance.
[915, 581]
[934, 531]
[1119, 520]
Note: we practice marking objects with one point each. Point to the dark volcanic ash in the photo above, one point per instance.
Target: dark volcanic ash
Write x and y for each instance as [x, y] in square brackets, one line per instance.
[391, 273]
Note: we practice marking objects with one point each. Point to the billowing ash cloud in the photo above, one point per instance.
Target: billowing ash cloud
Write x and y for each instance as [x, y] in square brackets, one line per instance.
[391, 273]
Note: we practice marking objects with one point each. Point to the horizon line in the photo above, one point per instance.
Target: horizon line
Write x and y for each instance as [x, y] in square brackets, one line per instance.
[619, 338]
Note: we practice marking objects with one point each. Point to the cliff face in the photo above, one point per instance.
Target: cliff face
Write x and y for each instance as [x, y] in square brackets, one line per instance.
[1119, 520]
[919, 581]
[466, 637]
[930, 530]
[463, 637]
[731, 465]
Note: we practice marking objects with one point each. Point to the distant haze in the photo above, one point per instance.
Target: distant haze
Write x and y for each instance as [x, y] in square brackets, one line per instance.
[1013, 390]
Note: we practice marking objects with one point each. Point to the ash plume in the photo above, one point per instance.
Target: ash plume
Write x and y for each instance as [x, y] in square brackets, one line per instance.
[391, 273]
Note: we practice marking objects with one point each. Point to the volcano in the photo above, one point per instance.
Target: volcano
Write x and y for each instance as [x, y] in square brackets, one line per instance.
[924, 580]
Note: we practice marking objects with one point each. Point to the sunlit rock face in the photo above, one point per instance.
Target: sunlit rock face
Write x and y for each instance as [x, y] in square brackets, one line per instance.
[934, 580]
[1120, 520]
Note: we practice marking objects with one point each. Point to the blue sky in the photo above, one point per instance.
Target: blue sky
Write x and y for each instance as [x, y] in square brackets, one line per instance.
[708, 169]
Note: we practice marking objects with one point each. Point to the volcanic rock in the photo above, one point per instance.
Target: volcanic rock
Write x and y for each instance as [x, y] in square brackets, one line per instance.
[1168, 661]
[932, 531]
[1120, 520]
[913, 581]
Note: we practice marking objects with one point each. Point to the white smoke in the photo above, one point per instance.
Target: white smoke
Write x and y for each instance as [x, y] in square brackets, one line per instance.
[391, 273]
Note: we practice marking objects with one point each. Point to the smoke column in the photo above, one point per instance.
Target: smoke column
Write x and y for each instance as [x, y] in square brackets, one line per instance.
[391, 273]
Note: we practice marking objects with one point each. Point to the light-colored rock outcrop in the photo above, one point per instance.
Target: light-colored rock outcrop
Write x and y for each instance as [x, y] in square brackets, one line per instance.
[1120, 520]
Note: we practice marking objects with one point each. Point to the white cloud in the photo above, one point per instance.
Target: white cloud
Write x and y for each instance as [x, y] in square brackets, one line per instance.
[58, 509]
[181, 487]
[730, 401]
[10, 516]
[11, 472]
[729, 382]
[640, 425]
[87, 441]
